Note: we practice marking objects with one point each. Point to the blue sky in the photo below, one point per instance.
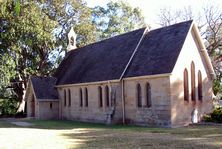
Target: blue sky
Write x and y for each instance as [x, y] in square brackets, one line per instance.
[151, 8]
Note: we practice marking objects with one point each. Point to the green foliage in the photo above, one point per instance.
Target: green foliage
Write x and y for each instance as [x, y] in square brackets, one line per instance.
[116, 18]
[25, 44]
[33, 34]
[17, 7]
[217, 86]
[215, 116]
[8, 107]
[7, 67]
[69, 14]
[207, 118]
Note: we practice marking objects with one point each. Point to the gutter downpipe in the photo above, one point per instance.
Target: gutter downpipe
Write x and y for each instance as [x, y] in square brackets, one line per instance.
[124, 71]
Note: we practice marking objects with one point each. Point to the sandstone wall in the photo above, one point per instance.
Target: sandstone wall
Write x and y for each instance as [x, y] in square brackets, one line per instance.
[159, 113]
[48, 110]
[181, 110]
[93, 112]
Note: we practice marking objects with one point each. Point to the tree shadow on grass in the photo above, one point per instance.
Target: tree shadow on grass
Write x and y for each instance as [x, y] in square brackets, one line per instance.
[197, 137]
[115, 139]
[88, 135]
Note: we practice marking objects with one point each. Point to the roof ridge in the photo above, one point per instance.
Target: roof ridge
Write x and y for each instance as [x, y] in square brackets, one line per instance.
[134, 52]
[171, 25]
[97, 42]
[114, 59]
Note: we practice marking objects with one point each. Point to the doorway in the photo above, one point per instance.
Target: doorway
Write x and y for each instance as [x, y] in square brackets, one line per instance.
[32, 107]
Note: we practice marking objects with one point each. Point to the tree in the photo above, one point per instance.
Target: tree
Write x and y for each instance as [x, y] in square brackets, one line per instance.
[67, 14]
[27, 41]
[213, 36]
[167, 16]
[116, 18]
[34, 34]
[210, 25]
[7, 67]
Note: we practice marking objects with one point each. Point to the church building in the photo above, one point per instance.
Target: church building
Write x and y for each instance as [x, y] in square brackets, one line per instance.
[161, 77]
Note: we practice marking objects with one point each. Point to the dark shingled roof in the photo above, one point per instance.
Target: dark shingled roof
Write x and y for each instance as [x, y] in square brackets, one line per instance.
[106, 60]
[44, 87]
[159, 51]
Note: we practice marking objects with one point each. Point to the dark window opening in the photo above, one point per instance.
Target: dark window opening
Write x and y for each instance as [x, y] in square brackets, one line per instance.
[69, 94]
[50, 105]
[86, 97]
[80, 97]
[193, 90]
[100, 96]
[139, 96]
[64, 97]
[200, 86]
[186, 85]
[148, 95]
[107, 95]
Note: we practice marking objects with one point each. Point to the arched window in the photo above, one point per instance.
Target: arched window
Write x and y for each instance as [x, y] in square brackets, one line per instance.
[193, 90]
[139, 95]
[200, 90]
[64, 97]
[107, 95]
[100, 94]
[86, 97]
[186, 85]
[69, 94]
[148, 95]
[80, 97]
[50, 105]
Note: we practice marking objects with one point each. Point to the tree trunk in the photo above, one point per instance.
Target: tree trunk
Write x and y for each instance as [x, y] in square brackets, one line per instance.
[21, 106]
[21, 90]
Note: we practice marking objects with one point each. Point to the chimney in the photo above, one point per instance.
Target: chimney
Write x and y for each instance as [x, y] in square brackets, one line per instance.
[72, 40]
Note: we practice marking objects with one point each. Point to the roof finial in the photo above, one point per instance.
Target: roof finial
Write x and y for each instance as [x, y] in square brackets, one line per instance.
[72, 40]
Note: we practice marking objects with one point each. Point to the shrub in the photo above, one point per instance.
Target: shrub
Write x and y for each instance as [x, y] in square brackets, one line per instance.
[8, 107]
[207, 118]
[215, 116]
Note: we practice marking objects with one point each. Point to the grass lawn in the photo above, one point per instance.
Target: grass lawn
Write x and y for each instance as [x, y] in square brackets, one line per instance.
[68, 134]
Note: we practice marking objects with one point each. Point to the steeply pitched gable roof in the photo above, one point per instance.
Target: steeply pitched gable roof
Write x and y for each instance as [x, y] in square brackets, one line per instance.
[44, 87]
[159, 50]
[106, 60]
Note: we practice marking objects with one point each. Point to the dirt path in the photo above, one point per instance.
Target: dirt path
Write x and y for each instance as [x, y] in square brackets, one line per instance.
[27, 138]
[23, 124]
